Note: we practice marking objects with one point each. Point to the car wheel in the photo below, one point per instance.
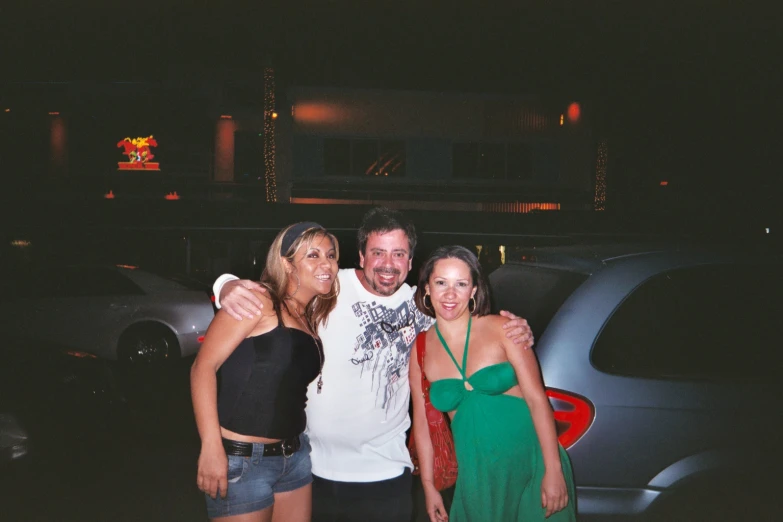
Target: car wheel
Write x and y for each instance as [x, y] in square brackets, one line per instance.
[147, 344]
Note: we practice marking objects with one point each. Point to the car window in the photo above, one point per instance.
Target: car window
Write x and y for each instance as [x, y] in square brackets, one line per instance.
[533, 292]
[702, 322]
[92, 282]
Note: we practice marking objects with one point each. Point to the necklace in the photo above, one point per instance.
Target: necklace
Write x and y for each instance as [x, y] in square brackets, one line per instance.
[318, 349]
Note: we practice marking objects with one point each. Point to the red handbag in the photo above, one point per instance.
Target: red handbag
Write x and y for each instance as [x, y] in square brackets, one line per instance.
[445, 461]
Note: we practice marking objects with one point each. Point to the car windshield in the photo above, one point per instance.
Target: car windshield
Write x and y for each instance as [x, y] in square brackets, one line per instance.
[533, 292]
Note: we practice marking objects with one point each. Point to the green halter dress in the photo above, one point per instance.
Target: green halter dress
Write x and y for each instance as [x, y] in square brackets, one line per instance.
[500, 462]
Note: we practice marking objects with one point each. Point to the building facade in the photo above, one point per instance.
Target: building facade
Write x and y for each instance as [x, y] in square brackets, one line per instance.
[431, 150]
[241, 138]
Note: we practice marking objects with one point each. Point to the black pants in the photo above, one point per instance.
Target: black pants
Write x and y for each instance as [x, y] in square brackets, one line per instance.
[382, 501]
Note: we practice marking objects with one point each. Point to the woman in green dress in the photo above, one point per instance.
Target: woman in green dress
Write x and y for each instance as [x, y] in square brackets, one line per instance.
[511, 466]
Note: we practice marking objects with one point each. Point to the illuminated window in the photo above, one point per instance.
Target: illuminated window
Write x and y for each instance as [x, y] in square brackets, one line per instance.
[391, 159]
[364, 158]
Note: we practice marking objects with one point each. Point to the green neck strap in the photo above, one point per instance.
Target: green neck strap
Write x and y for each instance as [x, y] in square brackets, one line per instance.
[464, 353]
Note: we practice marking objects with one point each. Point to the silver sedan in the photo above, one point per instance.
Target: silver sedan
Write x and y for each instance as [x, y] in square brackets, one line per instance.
[113, 312]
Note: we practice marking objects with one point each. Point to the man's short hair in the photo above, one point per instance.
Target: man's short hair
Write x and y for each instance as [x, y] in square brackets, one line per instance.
[383, 220]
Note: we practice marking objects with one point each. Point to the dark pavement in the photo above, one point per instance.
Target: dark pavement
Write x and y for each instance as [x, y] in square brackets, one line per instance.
[135, 463]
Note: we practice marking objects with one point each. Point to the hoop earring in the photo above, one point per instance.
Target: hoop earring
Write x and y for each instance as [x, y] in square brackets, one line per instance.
[472, 301]
[298, 283]
[424, 302]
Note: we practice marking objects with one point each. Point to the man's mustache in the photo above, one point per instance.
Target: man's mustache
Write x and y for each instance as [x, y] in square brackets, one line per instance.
[392, 271]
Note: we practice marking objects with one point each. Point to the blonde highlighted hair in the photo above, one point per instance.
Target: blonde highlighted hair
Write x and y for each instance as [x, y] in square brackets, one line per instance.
[276, 278]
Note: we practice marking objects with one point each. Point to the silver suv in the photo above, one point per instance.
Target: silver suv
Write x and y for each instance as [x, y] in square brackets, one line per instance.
[663, 366]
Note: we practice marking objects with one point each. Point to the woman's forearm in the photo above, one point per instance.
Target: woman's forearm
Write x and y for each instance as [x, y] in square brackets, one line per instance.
[544, 424]
[203, 391]
[421, 433]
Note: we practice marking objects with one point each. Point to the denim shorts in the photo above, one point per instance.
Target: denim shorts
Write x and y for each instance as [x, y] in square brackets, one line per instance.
[253, 481]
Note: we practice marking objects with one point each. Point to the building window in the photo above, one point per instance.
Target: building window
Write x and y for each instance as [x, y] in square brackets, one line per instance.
[391, 158]
[519, 164]
[465, 160]
[337, 157]
[496, 161]
[364, 158]
[492, 161]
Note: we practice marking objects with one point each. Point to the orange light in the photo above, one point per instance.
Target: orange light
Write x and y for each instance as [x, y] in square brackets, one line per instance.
[562, 119]
[664, 183]
[225, 117]
[274, 115]
[319, 113]
[8, 110]
[109, 195]
[172, 196]
[574, 111]
[129, 267]
[54, 113]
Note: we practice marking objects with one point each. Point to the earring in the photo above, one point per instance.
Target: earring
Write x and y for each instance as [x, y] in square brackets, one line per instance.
[298, 282]
[424, 301]
[473, 302]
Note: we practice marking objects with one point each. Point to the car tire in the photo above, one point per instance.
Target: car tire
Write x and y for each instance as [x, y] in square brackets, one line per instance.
[147, 344]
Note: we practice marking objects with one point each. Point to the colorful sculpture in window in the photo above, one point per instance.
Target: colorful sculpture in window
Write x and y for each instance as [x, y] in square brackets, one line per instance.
[139, 153]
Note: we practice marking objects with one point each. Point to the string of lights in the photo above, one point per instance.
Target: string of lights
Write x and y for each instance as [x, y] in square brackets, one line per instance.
[270, 176]
[600, 176]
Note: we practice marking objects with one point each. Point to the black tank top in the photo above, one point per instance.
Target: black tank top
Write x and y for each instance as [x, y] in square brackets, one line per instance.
[263, 383]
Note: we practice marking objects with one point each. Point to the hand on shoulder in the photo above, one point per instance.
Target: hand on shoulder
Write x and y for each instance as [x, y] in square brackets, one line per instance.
[240, 299]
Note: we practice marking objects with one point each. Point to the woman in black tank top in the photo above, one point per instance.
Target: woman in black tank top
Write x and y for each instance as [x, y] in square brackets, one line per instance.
[254, 457]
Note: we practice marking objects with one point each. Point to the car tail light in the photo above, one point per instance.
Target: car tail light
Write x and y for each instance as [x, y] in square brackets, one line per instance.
[573, 415]
[201, 338]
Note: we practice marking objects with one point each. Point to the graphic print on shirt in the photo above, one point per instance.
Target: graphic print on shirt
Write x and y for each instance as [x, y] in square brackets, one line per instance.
[383, 349]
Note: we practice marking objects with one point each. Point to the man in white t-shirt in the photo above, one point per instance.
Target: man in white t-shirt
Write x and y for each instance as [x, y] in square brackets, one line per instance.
[357, 423]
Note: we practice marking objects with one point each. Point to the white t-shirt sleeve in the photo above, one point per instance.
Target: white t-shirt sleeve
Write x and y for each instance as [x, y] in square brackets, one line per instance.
[219, 282]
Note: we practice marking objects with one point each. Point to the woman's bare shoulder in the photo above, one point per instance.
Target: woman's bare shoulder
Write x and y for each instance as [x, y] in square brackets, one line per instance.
[488, 327]
[490, 322]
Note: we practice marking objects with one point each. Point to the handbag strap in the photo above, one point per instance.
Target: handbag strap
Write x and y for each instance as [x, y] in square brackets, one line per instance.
[421, 346]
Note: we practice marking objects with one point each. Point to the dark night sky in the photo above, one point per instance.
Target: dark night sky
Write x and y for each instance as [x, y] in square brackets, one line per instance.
[688, 91]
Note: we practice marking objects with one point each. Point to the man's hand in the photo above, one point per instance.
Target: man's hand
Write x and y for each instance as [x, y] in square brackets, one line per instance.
[518, 330]
[238, 300]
